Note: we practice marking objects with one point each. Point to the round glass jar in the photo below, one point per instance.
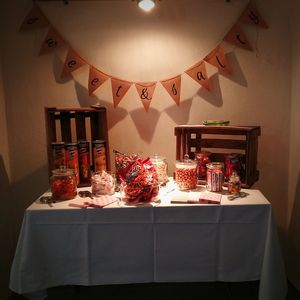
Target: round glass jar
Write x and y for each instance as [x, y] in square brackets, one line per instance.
[186, 173]
[202, 158]
[63, 184]
[215, 176]
[103, 183]
[161, 166]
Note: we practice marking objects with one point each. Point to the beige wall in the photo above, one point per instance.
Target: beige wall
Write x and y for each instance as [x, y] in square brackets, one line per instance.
[118, 39]
[294, 171]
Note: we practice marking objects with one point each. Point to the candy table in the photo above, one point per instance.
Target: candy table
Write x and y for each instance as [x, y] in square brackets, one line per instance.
[161, 242]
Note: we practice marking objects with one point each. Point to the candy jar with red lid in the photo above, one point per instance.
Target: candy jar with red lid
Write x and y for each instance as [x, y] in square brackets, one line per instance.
[63, 184]
[186, 173]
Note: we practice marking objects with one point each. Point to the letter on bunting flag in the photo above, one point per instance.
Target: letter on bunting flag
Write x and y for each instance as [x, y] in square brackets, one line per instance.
[237, 37]
[145, 91]
[52, 41]
[252, 16]
[218, 59]
[119, 89]
[73, 62]
[173, 87]
[96, 78]
[199, 74]
[35, 19]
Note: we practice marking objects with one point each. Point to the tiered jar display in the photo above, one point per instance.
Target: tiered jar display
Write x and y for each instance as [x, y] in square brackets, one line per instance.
[186, 174]
[215, 176]
[161, 167]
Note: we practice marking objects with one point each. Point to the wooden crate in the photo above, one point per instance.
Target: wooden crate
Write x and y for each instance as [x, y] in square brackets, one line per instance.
[221, 140]
[73, 124]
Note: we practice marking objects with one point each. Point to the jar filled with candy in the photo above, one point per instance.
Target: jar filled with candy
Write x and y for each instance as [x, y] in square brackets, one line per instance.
[161, 167]
[234, 184]
[63, 184]
[103, 183]
[186, 174]
[215, 176]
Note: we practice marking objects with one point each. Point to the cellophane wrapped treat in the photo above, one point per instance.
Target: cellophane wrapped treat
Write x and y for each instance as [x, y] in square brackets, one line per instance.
[141, 182]
[122, 164]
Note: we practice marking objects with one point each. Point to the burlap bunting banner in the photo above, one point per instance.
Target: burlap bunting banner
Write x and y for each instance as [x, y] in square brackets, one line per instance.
[96, 78]
[73, 62]
[218, 59]
[34, 20]
[52, 41]
[173, 87]
[145, 91]
[199, 74]
[253, 17]
[237, 37]
[119, 89]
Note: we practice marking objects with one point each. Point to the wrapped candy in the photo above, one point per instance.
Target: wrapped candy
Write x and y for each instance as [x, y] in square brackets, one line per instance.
[123, 163]
[140, 182]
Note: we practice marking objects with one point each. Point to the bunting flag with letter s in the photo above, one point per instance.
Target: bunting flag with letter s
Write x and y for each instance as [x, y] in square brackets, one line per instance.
[34, 20]
[173, 87]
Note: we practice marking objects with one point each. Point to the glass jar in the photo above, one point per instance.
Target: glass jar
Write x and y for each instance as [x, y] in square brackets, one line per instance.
[63, 184]
[103, 183]
[161, 167]
[186, 173]
[234, 184]
[215, 176]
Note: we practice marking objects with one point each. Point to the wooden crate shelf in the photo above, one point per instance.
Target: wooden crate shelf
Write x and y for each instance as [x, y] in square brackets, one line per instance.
[221, 140]
[73, 124]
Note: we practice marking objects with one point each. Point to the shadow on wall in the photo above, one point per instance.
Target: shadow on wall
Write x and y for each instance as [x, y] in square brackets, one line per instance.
[294, 241]
[7, 220]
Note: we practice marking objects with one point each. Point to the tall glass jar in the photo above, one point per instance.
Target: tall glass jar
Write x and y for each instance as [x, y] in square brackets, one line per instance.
[161, 167]
[186, 174]
[63, 184]
[215, 176]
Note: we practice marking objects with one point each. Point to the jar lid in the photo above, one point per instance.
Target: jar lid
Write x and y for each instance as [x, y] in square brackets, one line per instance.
[157, 158]
[63, 171]
[215, 165]
[186, 162]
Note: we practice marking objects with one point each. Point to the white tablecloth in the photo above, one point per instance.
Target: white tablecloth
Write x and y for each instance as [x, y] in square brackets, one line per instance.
[234, 241]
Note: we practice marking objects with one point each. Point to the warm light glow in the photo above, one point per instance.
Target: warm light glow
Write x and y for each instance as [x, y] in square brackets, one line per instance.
[146, 5]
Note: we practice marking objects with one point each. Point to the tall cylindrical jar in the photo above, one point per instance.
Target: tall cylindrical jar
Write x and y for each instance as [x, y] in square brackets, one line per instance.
[161, 167]
[215, 176]
[186, 174]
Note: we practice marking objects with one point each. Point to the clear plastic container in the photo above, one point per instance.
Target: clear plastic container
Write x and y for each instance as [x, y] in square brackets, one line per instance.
[186, 173]
[161, 167]
[63, 184]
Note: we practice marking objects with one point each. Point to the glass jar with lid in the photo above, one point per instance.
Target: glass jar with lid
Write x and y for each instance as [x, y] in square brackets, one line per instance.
[186, 173]
[63, 184]
[234, 184]
[215, 176]
[161, 167]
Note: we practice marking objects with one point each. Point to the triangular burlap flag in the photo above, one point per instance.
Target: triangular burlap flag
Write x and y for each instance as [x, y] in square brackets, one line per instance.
[252, 16]
[52, 41]
[145, 91]
[73, 62]
[173, 87]
[218, 59]
[96, 78]
[119, 89]
[237, 37]
[35, 19]
[199, 74]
